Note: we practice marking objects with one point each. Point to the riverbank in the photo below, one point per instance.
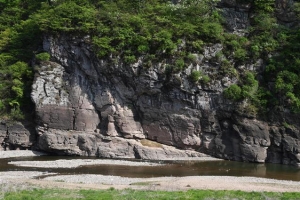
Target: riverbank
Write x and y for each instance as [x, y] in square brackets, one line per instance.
[95, 181]
[90, 181]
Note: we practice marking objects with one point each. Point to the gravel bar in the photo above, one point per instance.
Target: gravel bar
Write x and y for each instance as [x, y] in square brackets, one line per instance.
[183, 183]
[22, 174]
[79, 162]
[93, 181]
[118, 180]
[20, 153]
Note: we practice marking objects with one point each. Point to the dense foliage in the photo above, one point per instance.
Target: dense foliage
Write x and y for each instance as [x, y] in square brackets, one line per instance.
[19, 38]
[156, 31]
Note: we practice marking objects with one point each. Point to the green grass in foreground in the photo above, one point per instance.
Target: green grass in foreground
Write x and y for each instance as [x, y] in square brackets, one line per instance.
[56, 194]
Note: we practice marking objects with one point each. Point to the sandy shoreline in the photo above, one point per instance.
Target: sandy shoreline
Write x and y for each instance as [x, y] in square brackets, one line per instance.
[93, 181]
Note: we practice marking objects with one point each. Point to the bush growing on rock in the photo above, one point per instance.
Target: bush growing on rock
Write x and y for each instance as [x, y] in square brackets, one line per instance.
[234, 92]
[43, 56]
[195, 76]
[205, 79]
[179, 65]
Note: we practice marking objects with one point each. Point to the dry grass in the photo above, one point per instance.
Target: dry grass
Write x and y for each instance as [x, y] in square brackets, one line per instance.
[150, 143]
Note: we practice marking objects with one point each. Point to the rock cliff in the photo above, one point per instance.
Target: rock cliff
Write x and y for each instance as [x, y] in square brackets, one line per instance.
[89, 106]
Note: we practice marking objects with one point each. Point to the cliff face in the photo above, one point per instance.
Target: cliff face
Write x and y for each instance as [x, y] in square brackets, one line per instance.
[88, 106]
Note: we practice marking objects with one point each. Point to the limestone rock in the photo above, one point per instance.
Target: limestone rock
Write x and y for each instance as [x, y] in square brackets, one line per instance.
[128, 126]
[111, 129]
[116, 148]
[124, 148]
[63, 143]
[57, 117]
[17, 135]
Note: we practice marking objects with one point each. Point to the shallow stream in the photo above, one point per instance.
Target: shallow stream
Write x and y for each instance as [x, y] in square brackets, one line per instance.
[182, 168]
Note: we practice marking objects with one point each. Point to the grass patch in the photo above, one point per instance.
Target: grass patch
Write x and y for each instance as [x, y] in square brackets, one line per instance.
[47, 194]
[144, 183]
[150, 143]
[56, 194]
[59, 181]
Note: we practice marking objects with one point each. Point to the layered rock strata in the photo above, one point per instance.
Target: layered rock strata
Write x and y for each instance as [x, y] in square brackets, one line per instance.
[88, 106]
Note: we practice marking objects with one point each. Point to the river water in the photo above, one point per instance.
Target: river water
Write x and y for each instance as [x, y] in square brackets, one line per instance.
[184, 168]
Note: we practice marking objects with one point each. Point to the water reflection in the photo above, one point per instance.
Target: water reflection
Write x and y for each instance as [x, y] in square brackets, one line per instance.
[218, 168]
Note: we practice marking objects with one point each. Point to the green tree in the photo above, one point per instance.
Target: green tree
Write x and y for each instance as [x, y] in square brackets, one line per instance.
[12, 87]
